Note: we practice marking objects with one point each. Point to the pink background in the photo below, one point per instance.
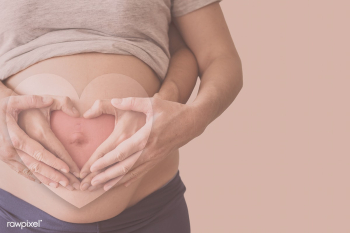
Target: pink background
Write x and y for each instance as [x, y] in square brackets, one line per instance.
[277, 159]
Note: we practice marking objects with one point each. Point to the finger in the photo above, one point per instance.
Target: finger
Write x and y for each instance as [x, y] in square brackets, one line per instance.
[51, 183]
[134, 104]
[100, 107]
[23, 102]
[72, 180]
[137, 172]
[129, 181]
[23, 142]
[46, 180]
[51, 143]
[86, 182]
[75, 183]
[136, 142]
[111, 183]
[108, 145]
[116, 170]
[43, 169]
[22, 170]
[65, 104]
[93, 188]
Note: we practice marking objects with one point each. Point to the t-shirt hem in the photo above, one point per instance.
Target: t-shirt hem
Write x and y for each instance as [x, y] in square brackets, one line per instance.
[192, 6]
[29, 58]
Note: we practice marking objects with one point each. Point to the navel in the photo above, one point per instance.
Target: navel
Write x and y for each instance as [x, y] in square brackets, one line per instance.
[77, 138]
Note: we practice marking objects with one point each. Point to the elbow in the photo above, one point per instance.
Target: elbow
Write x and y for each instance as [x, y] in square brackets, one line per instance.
[236, 74]
[238, 79]
[236, 69]
[239, 65]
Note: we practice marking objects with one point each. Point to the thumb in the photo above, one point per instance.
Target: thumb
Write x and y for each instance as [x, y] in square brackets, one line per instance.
[65, 104]
[24, 102]
[143, 105]
[100, 107]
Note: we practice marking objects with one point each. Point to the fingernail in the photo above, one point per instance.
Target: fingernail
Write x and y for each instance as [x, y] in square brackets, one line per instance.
[47, 99]
[70, 187]
[76, 174]
[83, 175]
[63, 183]
[117, 101]
[76, 186]
[84, 186]
[53, 185]
[74, 110]
[64, 170]
[92, 168]
[95, 182]
[87, 113]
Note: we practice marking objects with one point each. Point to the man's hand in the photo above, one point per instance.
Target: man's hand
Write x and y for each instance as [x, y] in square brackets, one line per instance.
[169, 125]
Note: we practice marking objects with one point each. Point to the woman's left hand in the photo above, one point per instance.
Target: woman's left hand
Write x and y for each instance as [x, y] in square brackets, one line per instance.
[169, 125]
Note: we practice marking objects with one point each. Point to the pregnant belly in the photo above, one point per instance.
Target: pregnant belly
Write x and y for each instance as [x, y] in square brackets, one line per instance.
[81, 136]
[85, 78]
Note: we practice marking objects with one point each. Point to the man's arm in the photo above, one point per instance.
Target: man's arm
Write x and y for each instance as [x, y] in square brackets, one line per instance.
[182, 73]
[170, 125]
[206, 33]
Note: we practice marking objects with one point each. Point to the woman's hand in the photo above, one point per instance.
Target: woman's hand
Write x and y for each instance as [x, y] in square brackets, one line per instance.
[172, 124]
[126, 124]
[29, 153]
[36, 123]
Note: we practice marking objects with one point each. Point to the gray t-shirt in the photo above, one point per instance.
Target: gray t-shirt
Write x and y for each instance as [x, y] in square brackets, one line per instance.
[35, 30]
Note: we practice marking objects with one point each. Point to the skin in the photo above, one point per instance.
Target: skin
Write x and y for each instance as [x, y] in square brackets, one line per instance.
[175, 124]
[182, 63]
[81, 136]
[86, 206]
[25, 155]
[177, 86]
[221, 80]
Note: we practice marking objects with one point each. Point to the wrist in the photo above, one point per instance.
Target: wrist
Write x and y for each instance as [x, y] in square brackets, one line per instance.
[169, 91]
[200, 117]
[207, 107]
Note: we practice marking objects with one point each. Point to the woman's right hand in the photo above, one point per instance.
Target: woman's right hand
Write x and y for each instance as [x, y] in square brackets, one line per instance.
[23, 153]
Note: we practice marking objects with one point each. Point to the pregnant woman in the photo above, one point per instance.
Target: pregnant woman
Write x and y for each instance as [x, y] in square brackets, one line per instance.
[93, 53]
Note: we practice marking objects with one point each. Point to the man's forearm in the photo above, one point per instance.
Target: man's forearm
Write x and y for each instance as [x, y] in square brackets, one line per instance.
[221, 82]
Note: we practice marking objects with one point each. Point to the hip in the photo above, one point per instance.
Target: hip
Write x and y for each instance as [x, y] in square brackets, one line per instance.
[165, 210]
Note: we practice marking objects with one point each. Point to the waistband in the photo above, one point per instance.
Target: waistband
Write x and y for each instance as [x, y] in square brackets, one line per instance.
[155, 205]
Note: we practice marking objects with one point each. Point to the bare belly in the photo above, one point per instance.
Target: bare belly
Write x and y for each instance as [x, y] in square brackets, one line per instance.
[91, 76]
[81, 136]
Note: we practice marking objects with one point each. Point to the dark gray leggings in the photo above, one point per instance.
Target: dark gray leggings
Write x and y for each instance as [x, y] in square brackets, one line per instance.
[163, 211]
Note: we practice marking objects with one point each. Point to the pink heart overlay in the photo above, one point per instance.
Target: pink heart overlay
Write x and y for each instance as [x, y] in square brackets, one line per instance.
[81, 136]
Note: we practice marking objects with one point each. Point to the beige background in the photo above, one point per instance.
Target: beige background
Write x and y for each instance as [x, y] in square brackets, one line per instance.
[277, 159]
